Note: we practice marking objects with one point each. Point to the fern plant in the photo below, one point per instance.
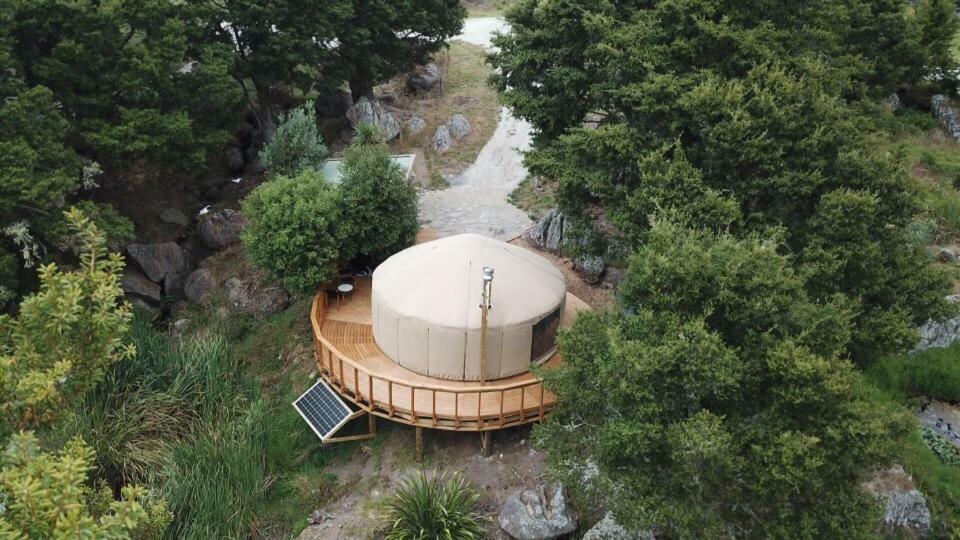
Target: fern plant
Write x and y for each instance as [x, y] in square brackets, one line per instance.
[430, 508]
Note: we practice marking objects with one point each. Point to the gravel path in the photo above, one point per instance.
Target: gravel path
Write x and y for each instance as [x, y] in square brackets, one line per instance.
[476, 200]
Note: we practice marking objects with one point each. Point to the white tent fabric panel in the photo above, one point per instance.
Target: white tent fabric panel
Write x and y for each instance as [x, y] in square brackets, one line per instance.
[426, 306]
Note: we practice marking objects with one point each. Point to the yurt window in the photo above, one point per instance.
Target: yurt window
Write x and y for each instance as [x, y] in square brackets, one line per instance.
[545, 334]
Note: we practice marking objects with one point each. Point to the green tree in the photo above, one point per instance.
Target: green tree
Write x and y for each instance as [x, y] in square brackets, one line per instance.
[379, 39]
[715, 402]
[692, 112]
[938, 24]
[65, 336]
[378, 204]
[295, 230]
[296, 146]
[134, 79]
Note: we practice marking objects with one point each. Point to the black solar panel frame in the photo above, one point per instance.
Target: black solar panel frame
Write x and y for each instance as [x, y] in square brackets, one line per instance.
[313, 404]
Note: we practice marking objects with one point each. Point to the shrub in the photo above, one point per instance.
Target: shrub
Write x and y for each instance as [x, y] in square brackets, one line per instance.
[378, 204]
[425, 508]
[944, 449]
[296, 146]
[294, 230]
[938, 24]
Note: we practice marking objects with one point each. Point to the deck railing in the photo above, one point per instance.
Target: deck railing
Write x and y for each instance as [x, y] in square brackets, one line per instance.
[378, 394]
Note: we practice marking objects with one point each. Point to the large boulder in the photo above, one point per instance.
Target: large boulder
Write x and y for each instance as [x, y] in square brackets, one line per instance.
[940, 334]
[415, 125]
[254, 297]
[608, 529]
[365, 111]
[174, 216]
[947, 115]
[221, 229]
[200, 286]
[442, 140]
[423, 78]
[333, 103]
[159, 260]
[135, 283]
[538, 514]
[233, 159]
[547, 233]
[458, 126]
[905, 508]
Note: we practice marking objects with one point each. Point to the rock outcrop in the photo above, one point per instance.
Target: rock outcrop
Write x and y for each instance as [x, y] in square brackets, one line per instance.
[135, 283]
[415, 125]
[253, 297]
[547, 233]
[158, 260]
[221, 229]
[905, 508]
[423, 78]
[442, 141]
[458, 126]
[947, 115]
[365, 111]
[200, 286]
[940, 334]
[608, 529]
[538, 514]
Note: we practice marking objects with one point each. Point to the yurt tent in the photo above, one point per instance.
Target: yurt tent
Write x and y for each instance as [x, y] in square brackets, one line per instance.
[426, 308]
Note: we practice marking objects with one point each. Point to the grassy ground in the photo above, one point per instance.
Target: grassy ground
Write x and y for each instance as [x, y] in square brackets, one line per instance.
[535, 197]
[486, 8]
[907, 380]
[465, 91]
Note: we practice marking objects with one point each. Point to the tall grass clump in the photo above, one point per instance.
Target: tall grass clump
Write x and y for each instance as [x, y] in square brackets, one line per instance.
[934, 373]
[942, 203]
[428, 508]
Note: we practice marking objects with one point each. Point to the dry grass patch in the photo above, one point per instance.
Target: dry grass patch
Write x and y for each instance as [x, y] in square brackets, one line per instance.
[465, 91]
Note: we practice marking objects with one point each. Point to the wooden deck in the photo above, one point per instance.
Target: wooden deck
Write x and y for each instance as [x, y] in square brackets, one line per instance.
[353, 364]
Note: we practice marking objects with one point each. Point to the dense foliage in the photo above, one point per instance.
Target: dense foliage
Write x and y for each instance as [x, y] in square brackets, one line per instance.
[295, 230]
[717, 404]
[378, 203]
[425, 508]
[734, 114]
[296, 146]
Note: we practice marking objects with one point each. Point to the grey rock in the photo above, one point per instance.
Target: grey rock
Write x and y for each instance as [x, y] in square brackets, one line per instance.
[537, 514]
[233, 159]
[947, 115]
[590, 266]
[158, 260]
[173, 284]
[365, 111]
[135, 283]
[199, 286]
[333, 103]
[458, 126]
[547, 233]
[608, 529]
[893, 102]
[415, 125]
[423, 78]
[255, 298]
[174, 216]
[940, 334]
[907, 511]
[942, 418]
[946, 255]
[221, 229]
[442, 140]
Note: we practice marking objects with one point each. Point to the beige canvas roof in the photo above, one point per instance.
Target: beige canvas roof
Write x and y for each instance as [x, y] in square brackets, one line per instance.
[426, 306]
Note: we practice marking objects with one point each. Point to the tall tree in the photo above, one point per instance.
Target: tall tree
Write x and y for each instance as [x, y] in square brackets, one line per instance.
[776, 139]
[133, 79]
[382, 38]
[714, 403]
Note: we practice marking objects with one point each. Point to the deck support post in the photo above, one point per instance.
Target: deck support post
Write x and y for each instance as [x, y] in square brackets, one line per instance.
[485, 443]
[372, 423]
[418, 435]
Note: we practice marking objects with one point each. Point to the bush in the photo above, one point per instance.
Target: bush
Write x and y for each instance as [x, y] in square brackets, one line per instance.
[424, 509]
[296, 146]
[295, 230]
[378, 204]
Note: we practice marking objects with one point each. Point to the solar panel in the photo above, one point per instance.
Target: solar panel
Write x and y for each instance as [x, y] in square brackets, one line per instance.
[323, 410]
